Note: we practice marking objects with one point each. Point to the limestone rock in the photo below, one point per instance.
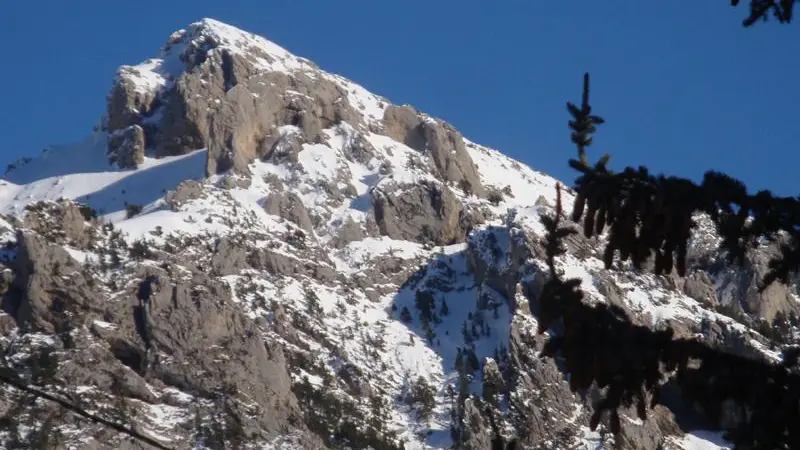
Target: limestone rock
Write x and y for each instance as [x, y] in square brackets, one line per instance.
[493, 382]
[350, 231]
[127, 103]
[169, 333]
[289, 206]
[740, 287]
[403, 124]
[699, 286]
[126, 147]
[40, 298]
[495, 259]
[420, 213]
[183, 127]
[445, 144]
[356, 147]
[224, 103]
[197, 325]
[229, 258]
[186, 191]
[650, 434]
[540, 375]
[281, 147]
[61, 222]
[478, 434]
[106, 371]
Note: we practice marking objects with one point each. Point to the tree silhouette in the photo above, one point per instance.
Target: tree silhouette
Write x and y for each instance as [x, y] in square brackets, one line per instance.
[760, 9]
[649, 215]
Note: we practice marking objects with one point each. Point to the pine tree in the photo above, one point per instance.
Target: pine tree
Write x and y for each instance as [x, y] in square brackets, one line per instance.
[649, 215]
[426, 304]
[444, 310]
[405, 315]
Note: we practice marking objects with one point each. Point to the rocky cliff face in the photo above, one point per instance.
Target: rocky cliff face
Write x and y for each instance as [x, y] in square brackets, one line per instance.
[251, 252]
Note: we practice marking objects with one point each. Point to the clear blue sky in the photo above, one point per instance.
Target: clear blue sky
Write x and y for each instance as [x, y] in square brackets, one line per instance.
[683, 86]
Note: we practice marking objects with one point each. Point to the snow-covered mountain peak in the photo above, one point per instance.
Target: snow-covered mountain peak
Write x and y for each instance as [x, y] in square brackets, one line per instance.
[209, 36]
[247, 200]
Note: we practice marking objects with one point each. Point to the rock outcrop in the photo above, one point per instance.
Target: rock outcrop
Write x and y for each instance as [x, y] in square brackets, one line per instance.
[437, 138]
[128, 101]
[225, 101]
[281, 146]
[191, 328]
[126, 147]
[61, 222]
[186, 191]
[699, 286]
[160, 332]
[345, 276]
[40, 297]
[289, 206]
[426, 212]
[739, 288]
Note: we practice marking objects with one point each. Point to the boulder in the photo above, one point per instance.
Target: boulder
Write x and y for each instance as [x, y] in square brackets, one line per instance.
[126, 147]
[289, 206]
[425, 212]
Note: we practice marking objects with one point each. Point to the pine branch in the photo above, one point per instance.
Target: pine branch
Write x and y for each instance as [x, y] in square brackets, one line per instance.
[599, 344]
[652, 215]
[7, 377]
[782, 10]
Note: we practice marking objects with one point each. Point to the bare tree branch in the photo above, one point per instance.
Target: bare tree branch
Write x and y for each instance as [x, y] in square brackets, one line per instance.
[7, 377]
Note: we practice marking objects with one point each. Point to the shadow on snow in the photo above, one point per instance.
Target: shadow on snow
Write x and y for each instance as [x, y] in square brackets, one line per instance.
[147, 185]
[477, 316]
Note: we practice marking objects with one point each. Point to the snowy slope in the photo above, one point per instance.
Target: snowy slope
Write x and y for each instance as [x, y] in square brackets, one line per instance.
[355, 326]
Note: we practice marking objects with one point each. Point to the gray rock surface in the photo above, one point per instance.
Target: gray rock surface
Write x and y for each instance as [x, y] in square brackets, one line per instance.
[196, 326]
[445, 144]
[357, 148]
[126, 104]
[281, 147]
[229, 257]
[298, 335]
[739, 288]
[126, 147]
[350, 231]
[420, 213]
[41, 294]
[60, 222]
[224, 103]
[289, 206]
[159, 332]
[186, 191]
[545, 415]
[184, 116]
[478, 436]
[699, 286]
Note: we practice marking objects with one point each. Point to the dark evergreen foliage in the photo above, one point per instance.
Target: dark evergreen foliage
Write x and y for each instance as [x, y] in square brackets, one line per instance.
[600, 346]
[405, 315]
[132, 210]
[648, 214]
[760, 9]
